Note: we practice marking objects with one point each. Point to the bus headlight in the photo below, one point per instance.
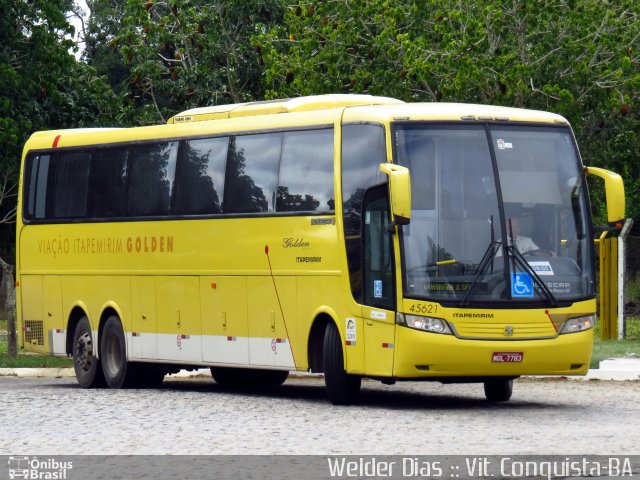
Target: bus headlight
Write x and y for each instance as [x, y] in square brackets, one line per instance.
[427, 324]
[578, 324]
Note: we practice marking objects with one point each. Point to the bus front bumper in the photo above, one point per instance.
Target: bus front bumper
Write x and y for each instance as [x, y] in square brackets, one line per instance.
[424, 355]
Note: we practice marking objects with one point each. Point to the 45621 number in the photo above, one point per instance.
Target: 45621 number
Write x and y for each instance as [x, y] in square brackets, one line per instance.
[423, 309]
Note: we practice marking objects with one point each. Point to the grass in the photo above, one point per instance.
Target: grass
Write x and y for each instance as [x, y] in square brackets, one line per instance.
[629, 347]
[602, 349]
[27, 359]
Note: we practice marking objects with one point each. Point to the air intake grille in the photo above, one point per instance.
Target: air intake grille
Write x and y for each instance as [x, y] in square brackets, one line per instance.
[34, 332]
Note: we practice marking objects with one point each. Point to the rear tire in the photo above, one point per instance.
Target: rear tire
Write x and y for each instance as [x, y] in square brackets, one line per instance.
[118, 373]
[343, 389]
[85, 363]
[498, 390]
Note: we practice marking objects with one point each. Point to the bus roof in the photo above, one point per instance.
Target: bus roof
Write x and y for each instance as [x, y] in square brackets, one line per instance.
[387, 109]
[310, 110]
[285, 105]
[437, 111]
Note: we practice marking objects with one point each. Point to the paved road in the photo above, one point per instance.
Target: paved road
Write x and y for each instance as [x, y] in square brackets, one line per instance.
[196, 416]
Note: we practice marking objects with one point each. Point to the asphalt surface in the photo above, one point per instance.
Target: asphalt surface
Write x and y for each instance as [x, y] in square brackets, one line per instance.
[621, 369]
[195, 416]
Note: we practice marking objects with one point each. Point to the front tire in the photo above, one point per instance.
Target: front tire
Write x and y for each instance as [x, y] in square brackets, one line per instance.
[498, 390]
[118, 373]
[85, 363]
[343, 389]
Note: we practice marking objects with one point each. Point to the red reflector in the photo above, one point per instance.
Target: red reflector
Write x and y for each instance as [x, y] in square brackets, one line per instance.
[55, 141]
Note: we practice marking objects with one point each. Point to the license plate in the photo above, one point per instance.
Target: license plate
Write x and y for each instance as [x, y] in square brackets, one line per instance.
[507, 357]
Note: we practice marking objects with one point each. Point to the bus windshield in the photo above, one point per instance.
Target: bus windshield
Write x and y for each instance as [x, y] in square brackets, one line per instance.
[499, 213]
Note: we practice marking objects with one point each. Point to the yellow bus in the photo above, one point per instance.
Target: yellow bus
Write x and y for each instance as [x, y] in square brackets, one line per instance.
[353, 235]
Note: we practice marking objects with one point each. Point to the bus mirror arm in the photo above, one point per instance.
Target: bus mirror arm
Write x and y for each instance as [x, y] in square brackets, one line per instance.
[399, 193]
[397, 222]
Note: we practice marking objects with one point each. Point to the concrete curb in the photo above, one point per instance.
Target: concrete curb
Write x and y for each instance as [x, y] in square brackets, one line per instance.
[616, 369]
[37, 372]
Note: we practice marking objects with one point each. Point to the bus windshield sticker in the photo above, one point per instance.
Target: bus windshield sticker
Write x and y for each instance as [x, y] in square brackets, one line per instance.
[351, 331]
[323, 221]
[521, 285]
[502, 145]
[541, 268]
[377, 288]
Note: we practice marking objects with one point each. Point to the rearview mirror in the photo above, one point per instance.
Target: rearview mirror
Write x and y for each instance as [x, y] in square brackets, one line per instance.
[399, 191]
[614, 191]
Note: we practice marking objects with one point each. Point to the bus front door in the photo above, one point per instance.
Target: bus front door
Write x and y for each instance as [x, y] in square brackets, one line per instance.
[378, 310]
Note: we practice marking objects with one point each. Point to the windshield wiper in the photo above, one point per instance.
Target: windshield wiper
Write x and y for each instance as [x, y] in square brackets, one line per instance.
[518, 259]
[487, 260]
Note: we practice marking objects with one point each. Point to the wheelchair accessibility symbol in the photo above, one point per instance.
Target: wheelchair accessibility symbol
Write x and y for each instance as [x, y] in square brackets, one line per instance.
[521, 285]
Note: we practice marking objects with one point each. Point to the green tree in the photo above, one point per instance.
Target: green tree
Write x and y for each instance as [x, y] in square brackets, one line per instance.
[193, 53]
[44, 87]
[579, 58]
[102, 27]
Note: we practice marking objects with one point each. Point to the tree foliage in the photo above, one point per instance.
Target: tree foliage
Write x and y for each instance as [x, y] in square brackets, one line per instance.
[147, 59]
[44, 87]
[579, 58]
[193, 53]
[104, 22]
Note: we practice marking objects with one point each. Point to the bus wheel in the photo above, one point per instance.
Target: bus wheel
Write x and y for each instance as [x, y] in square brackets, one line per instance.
[498, 390]
[270, 378]
[224, 375]
[342, 388]
[86, 365]
[118, 373]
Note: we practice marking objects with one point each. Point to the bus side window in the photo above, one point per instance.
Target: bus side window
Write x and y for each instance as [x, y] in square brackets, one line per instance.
[71, 185]
[108, 182]
[252, 173]
[151, 174]
[31, 177]
[306, 172]
[363, 150]
[378, 249]
[199, 185]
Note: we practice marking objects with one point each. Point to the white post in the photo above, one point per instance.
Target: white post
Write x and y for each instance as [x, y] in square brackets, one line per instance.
[622, 240]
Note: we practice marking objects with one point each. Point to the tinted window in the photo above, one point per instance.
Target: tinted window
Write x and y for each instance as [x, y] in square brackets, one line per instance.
[151, 171]
[72, 179]
[252, 173]
[41, 188]
[378, 264]
[34, 162]
[200, 176]
[363, 150]
[107, 190]
[306, 172]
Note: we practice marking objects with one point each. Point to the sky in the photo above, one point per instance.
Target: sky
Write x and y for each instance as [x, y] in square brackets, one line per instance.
[77, 23]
